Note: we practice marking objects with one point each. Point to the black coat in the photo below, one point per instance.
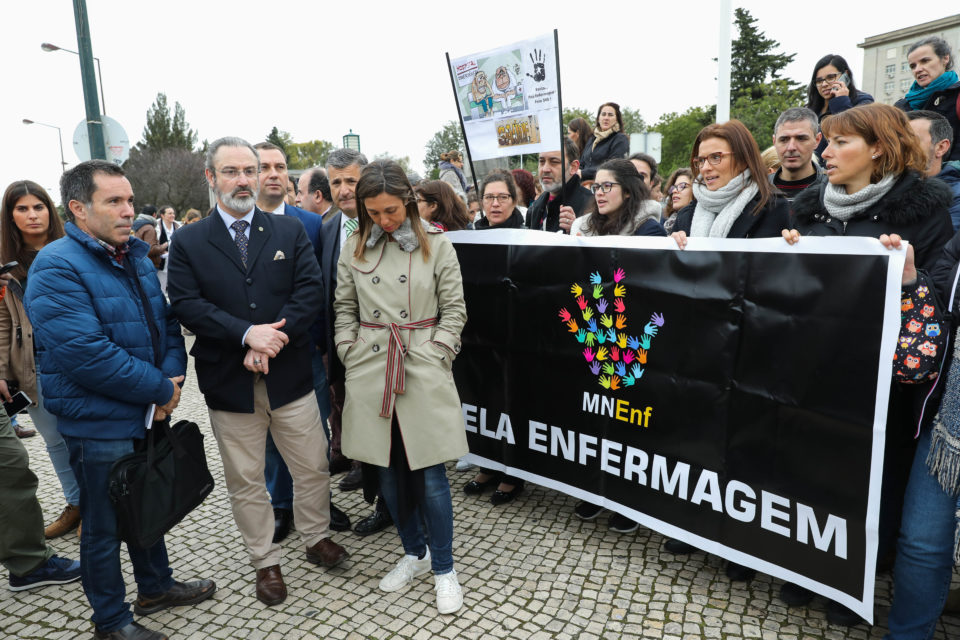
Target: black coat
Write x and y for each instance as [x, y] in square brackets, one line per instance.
[218, 298]
[615, 146]
[515, 221]
[768, 222]
[575, 196]
[916, 208]
[945, 103]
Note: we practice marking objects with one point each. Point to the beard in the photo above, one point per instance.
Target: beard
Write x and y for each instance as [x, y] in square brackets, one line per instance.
[551, 187]
[238, 203]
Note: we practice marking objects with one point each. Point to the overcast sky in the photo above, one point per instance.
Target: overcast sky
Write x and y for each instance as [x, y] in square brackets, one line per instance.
[318, 69]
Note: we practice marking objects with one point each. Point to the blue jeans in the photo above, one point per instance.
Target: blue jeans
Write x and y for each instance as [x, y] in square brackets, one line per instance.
[436, 513]
[924, 564]
[46, 424]
[279, 482]
[100, 544]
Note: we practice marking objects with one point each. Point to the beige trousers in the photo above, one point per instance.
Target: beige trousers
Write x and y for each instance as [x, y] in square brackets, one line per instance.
[298, 433]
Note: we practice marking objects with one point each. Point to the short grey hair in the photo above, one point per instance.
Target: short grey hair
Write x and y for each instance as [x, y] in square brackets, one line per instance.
[228, 141]
[940, 48]
[940, 127]
[343, 158]
[798, 114]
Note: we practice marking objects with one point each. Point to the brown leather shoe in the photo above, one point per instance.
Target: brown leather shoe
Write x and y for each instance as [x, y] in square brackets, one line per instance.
[270, 587]
[327, 553]
[68, 521]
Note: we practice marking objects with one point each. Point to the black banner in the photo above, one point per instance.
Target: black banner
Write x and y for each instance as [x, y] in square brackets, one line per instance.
[733, 396]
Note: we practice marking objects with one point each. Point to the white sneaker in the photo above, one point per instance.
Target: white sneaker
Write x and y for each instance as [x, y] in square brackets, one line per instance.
[463, 465]
[406, 570]
[449, 593]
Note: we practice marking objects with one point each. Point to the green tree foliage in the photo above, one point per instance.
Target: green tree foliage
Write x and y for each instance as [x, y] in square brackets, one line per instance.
[166, 131]
[171, 176]
[679, 130]
[404, 162]
[760, 114]
[632, 121]
[306, 155]
[447, 139]
[572, 114]
[280, 138]
[753, 60]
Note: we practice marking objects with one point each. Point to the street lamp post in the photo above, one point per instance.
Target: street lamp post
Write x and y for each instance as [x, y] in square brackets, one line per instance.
[59, 134]
[46, 46]
[351, 141]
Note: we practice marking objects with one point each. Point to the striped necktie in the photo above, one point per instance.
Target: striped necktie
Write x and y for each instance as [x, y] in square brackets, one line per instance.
[350, 225]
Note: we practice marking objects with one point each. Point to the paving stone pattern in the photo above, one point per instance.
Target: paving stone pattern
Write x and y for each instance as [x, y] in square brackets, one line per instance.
[530, 570]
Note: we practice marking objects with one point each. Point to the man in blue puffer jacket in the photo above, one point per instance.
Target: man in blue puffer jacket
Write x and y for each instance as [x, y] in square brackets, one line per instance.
[108, 349]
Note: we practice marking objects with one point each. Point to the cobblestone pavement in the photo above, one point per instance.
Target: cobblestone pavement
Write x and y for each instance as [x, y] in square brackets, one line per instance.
[530, 570]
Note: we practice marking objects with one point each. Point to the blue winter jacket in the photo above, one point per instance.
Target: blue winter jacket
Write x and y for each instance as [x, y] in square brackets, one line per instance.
[95, 354]
[950, 173]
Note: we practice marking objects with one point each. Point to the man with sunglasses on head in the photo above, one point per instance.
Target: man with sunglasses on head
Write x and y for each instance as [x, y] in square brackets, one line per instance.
[795, 137]
[546, 213]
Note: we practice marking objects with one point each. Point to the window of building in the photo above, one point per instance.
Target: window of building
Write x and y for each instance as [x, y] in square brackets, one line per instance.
[891, 53]
[905, 85]
[904, 66]
[891, 68]
[888, 87]
[906, 48]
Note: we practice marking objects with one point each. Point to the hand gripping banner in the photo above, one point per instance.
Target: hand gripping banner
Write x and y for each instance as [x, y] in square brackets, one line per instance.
[732, 395]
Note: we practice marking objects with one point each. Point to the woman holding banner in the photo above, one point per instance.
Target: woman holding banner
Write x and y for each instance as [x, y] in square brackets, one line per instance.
[875, 167]
[732, 197]
[399, 312]
[607, 141]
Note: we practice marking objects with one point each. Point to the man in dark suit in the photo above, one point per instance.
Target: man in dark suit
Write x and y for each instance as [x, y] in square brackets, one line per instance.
[273, 181]
[248, 285]
[344, 167]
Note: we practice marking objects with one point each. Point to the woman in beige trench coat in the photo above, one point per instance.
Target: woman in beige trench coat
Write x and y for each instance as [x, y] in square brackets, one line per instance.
[399, 311]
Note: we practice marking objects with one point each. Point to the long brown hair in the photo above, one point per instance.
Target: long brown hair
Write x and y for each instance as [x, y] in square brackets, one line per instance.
[635, 193]
[12, 246]
[451, 212]
[386, 176]
[672, 180]
[584, 131]
[746, 155]
[887, 127]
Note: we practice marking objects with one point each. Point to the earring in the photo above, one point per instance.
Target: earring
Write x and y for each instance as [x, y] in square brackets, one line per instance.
[875, 156]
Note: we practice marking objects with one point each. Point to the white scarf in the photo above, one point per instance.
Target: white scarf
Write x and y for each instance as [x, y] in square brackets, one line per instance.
[717, 210]
[844, 206]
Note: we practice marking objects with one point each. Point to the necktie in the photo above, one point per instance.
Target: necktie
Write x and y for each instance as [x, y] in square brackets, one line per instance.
[350, 225]
[240, 226]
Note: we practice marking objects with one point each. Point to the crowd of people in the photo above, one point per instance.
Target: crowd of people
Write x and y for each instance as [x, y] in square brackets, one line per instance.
[327, 314]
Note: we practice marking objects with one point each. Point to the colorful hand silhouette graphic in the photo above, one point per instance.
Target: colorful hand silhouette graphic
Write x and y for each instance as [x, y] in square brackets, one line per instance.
[564, 315]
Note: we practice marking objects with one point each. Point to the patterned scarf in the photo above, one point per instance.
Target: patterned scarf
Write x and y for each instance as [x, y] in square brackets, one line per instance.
[405, 236]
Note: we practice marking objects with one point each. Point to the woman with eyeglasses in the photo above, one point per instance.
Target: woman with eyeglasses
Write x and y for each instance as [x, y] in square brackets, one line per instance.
[733, 198]
[936, 85]
[832, 91]
[608, 141]
[624, 207]
[679, 195]
[877, 185]
[498, 199]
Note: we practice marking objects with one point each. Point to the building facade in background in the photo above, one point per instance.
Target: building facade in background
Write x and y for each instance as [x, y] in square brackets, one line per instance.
[886, 73]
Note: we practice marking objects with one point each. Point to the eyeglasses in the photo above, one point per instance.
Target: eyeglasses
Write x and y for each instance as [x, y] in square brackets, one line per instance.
[713, 158]
[232, 173]
[826, 79]
[603, 186]
[502, 198]
[677, 188]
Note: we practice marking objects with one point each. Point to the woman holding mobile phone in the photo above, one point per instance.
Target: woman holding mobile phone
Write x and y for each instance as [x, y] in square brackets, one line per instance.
[28, 222]
[832, 91]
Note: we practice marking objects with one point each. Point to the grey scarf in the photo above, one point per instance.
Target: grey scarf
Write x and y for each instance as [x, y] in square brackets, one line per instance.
[843, 206]
[405, 236]
[717, 210]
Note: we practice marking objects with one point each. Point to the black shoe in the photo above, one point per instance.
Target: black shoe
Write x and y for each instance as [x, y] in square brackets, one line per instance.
[377, 521]
[840, 615]
[739, 573]
[179, 594]
[339, 521]
[678, 547]
[795, 595]
[587, 510]
[282, 521]
[475, 488]
[353, 480]
[503, 497]
[339, 464]
[132, 631]
[622, 524]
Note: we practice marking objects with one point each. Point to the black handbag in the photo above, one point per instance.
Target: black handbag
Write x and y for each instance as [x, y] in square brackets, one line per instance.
[155, 488]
